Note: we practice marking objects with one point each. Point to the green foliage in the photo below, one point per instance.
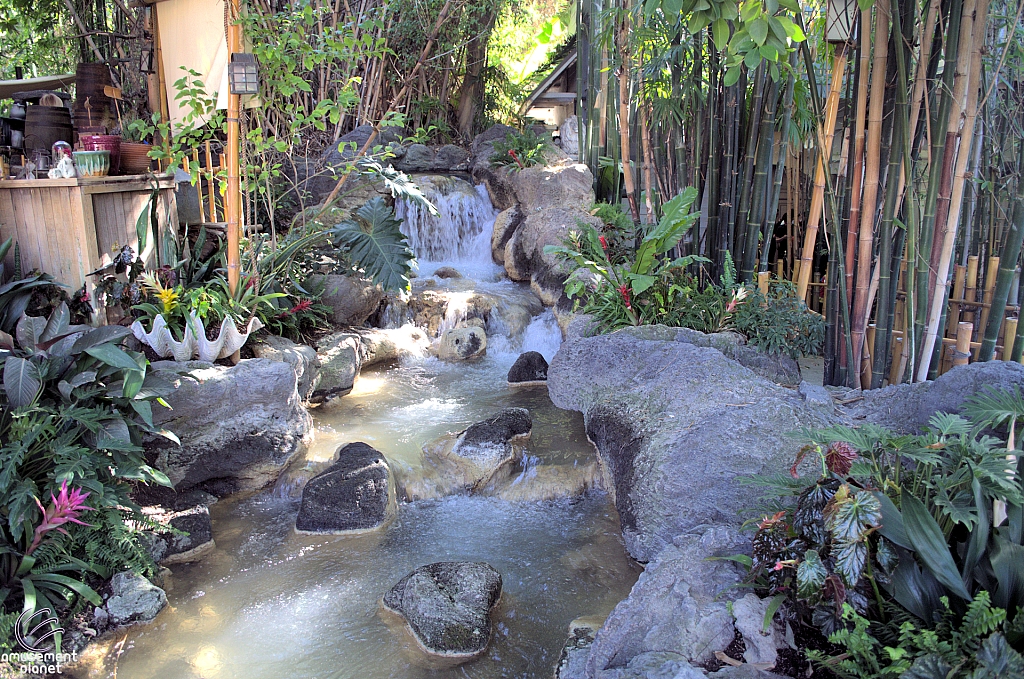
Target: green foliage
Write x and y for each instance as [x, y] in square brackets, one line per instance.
[779, 322]
[519, 149]
[971, 646]
[615, 295]
[16, 291]
[374, 241]
[73, 410]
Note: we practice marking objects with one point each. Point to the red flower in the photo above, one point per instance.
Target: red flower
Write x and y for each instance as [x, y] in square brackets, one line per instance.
[303, 305]
[604, 243]
[63, 508]
[512, 153]
[840, 457]
[624, 291]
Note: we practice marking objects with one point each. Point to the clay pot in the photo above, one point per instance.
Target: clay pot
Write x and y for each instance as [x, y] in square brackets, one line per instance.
[135, 158]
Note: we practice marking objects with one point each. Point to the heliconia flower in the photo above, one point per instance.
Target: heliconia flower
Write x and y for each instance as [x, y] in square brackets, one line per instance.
[604, 243]
[624, 291]
[515, 157]
[839, 457]
[298, 308]
[64, 508]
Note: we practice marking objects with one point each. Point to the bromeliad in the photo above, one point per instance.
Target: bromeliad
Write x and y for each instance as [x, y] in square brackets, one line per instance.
[64, 508]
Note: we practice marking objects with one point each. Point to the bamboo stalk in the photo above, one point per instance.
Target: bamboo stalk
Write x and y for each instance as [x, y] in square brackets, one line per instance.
[853, 231]
[210, 197]
[991, 272]
[199, 187]
[1008, 338]
[825, 152]
[232, 198]
[623, 75]
[965, 95]
[963, 344]
[872, 170]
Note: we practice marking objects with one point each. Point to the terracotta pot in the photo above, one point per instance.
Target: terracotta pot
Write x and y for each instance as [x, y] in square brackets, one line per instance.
[134, 157]
[104, 142]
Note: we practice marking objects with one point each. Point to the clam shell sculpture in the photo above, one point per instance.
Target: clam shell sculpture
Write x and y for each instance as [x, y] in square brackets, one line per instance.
[194, 344]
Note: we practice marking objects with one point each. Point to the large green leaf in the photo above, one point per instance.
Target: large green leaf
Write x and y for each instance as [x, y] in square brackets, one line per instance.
[915, 589]
[113, 356]
[892, 522]
[377, 245]
[101, 335]
[810, 576]
[930, 544]
[21, 381]
[1008, 565]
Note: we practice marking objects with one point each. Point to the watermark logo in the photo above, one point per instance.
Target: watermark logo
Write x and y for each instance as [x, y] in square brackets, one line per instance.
[28, 640]
[36, 659]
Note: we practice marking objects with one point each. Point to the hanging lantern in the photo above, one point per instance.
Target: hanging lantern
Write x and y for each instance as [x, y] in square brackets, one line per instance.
[243, 75]
[146, 59]
[842, 14]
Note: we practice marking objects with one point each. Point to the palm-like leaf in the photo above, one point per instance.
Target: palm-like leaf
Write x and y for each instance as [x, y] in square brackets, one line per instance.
[376, 245]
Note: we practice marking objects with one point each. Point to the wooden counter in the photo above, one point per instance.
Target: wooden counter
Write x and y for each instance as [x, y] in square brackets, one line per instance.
[70, 227]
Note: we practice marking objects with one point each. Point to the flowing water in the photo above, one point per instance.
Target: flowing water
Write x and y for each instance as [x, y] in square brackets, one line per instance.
[269, 603]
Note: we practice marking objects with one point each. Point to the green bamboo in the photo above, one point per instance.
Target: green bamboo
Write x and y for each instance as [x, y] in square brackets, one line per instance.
[765, 144]
[1004, 279]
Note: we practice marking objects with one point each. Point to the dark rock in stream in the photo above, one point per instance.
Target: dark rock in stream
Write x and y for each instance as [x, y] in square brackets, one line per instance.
[447, 606]
[530, 367]
[191, 538]
[355, 494]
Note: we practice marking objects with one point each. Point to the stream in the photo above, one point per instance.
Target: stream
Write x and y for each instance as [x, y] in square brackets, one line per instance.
[270, 603]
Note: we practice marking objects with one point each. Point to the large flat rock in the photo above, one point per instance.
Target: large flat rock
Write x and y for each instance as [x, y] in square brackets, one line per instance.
[677, 425]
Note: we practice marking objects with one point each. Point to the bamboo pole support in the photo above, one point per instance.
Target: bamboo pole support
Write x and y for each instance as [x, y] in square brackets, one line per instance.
[963, 343]
[825, 152]
[971, 293]
[991, 271]
[959, 281]
[231, 199]
[199, 187]
[779, 266]
[762, 282]
[1009, 333]
[866, 360]
[210, 195]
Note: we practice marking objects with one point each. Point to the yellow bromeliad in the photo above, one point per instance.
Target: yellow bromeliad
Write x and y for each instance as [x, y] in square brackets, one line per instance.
[168, 296]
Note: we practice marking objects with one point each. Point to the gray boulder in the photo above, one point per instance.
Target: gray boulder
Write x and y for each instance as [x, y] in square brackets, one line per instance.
[569, 137]
[349, 144]
[190, 539]
[352, 300]
[355, 494]
[473, 461]
[524, 252]
[676, 424]
[379, 345]
[908, 407]
[572, 661]
[340, 357]
[530, 367]
[505, 224]
[447, 607]
[462, 344]
[239, 426]
[496, 178]
[451, 158]
[675, 608]
[133, 599]
[418, 158]
[761, 646]
[568, 186]
[301, 358]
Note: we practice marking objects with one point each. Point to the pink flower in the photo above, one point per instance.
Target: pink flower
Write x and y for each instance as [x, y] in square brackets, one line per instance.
[63, 508]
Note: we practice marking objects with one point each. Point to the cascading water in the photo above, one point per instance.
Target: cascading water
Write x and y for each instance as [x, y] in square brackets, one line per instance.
[269, 603]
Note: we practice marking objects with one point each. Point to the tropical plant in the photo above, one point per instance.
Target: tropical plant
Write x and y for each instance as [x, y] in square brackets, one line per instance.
[16, 290]
[610, 287]
[972, 646]
[780, 323]
[519, 149]
[376, 245]
[73, 410]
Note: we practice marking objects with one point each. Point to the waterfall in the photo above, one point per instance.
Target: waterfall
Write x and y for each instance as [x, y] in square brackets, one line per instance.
[461, 232]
